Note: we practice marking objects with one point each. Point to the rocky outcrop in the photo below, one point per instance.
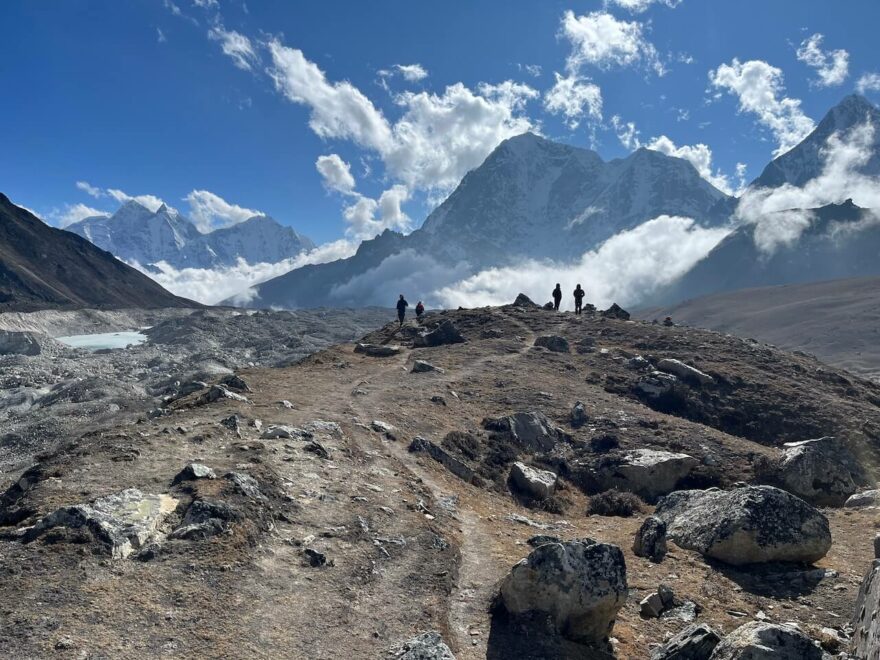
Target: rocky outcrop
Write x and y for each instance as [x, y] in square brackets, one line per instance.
[532, 431]
[685, 371]
[650, 539]
[580, 585]
[522, 300]
[537, 484]
[818, 471]
[553, 343]
[445, 333]
[649, 473]
[747, 525]
[866, 619]
[759, 640]
[377, 350]
[616, 312]
[20, 343]
[696, 642]
[447, 460]
[123, 522]
[427, 646]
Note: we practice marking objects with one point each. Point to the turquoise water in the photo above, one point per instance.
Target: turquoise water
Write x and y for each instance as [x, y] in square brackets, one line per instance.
[104, 340]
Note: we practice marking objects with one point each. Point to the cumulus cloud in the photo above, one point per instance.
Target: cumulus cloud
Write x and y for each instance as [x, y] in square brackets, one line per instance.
[574, 98]
[832, 66]
[599, 39]
[781, 214]
[411, 72]
[868, 82]
[639, 6]
[626, 268]
[236, 46]
[760, 89]
[368, 217]
[336, 173]
[73, 213]
[209, 211]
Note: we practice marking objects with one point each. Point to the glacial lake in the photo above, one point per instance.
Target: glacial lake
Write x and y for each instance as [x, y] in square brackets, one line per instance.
[101, 340]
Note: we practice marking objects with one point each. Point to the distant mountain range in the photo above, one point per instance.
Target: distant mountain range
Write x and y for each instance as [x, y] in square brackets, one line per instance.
[46, 268]
[136, 234]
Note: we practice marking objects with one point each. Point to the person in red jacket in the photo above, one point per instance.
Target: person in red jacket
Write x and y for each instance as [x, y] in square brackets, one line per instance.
[420, 309]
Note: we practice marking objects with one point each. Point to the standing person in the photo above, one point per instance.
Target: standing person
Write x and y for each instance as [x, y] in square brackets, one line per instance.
[401, 308]
[579, 294]
[420, 309]
[557, 297]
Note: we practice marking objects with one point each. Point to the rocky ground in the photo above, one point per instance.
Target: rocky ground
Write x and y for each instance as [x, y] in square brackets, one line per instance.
[348, 502]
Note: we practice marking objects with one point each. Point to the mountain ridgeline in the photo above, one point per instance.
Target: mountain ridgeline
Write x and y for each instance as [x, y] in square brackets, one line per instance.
[136, 234]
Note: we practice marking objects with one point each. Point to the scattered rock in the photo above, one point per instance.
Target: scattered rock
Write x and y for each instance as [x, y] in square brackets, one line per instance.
[286, 404]
[863, 499]
[427, 646]
[386, 429]
[233, 423]
[491, 333]
[759, 640]
[542, 539]
[522, 300]
[650, 540]
[538, 484]
[747, 525]
[421, 367]
[696, 642]
[245, 483]
[637, 363]
[616, 312]
[581, 585]
[316, 448]
[532, 431]
[273, 432]
[218, 392]
[445, 333]
[656, 384]
[818, 471]
[377, 350]
[685, 371]
[122, 522]
[553, 343]
[235, 382]
[205, 519]
[579, 415]
[314, 558]
[585, 345]
[194, 471]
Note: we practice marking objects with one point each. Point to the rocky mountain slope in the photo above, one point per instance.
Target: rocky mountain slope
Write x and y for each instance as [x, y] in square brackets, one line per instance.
[136, 234]
[530, 199]
[836, 320]
[400, 488]
[45, 268]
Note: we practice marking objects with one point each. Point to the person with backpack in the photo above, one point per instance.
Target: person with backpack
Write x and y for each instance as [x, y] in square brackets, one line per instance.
[420, 309]
[557, 297]
[401, 308]
[579, 294]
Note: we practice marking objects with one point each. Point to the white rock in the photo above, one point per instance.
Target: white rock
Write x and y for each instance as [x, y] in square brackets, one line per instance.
[539, 484]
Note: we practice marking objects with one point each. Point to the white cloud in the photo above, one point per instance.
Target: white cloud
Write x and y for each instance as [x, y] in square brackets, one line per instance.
[209, 211]
[150, 202]
[89, 189]
[573, 97]
[598, 39]
[639, 6]
[236, 46]
[362, 219]
[160, 36]
[205, 4]
[759, 87]
[73, 213]
[780, 213]
[412, 72]
[336, 173]
[625, 269]
[626, 132]
[868, 82]
[534, 70]
[831, 65]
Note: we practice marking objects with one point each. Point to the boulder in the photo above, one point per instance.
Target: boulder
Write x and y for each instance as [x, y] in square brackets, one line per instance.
[656, 384]
[445, 333]
[650, 540]
[637, 363]
[651, 606]
[542, 539]
[616, 312]
[759, 640]
[21, 343]
[204, 519]
[696, 642]
[217, 392]
[747, 525]
[422, 367]
[276, 431]
[819, 471]
[194, 471]
[522, 300]
[538, 484]
[580, 585]
[235, 382]
[579, 415]
[384, 428]
[866, 619]
[122, 522]
[427, 646]
[245, 484]
[532, 431]
[553, 343]
[649, 473]
[685, 371]
[377, 350]
[863, 499]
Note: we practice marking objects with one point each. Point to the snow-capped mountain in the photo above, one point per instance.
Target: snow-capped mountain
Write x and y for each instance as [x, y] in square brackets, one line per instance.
[136, 234]
[530, 199]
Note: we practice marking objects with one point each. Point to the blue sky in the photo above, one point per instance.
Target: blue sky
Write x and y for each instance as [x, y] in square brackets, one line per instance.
[232, 105]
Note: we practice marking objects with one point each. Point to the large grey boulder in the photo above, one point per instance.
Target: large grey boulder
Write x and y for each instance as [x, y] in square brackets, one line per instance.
[21, 343]
[581, 585]
[122, 522]
[819, 471]
[863, 499]
[445, 333]
[553, 343]
[684, 371]
[646, 472]
[759, 640]
[532, 431]
[866, 619]
[427, 646]
[747, 525]
[696, 642]
[539, 484]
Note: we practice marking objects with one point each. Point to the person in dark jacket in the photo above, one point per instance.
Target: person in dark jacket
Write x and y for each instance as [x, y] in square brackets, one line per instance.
[420, 309]
[557, 297]
[401, 308]
[579, 294]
